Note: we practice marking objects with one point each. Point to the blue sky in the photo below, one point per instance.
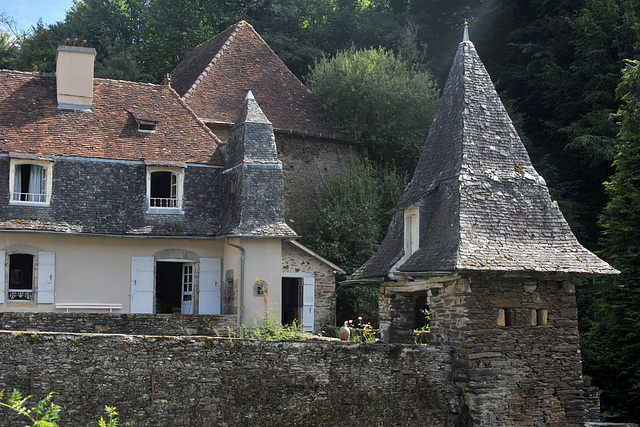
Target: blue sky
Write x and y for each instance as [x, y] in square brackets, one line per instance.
[27, 12]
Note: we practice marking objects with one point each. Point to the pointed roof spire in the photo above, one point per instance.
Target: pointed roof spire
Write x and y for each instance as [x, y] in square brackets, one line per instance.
[482, 204]
[251, 111]
[465, 35]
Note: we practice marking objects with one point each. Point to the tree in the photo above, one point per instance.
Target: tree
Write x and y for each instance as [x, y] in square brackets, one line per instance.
[612, 343]
[377, 100]
[347, 226]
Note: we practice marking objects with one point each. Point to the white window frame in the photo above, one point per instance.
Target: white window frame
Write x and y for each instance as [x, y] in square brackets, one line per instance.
[411, 230]
[48, 168]
[42, 281]
[178, 172]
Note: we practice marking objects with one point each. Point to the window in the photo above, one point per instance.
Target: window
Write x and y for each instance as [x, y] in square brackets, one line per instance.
[164, 189]
[20, 277]
[539, 317]
[411, 230]
[506, 317]
[29, 278]
[146, 126]
[30, 182]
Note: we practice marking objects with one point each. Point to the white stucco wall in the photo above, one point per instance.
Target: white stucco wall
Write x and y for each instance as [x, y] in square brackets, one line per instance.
[96, 269]
[263, 261]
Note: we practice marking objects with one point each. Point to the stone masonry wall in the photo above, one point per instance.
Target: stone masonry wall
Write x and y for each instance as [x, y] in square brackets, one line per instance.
[524, 374]
[116, 323]
[295, 260]
[179, 381]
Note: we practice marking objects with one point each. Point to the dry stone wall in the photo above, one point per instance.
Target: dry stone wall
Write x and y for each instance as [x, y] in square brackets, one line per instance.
[179, 381]
[115, 323]
[522, 373]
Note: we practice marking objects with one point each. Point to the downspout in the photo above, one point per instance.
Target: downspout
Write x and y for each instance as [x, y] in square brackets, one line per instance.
[240, 321]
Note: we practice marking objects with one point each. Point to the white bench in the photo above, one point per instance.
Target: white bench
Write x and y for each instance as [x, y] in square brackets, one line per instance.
[88, 306]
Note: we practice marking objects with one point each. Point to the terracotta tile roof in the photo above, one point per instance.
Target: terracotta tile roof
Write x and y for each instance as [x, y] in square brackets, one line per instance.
[214, 78]
[483, 206]
[30, 122]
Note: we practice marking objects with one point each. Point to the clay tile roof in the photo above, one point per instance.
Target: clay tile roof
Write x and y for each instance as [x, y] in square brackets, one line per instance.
[482, 204]
[30, 122]
[215, 77]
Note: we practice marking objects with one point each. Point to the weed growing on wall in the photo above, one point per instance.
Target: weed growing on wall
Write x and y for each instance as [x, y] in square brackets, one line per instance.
[45, 413]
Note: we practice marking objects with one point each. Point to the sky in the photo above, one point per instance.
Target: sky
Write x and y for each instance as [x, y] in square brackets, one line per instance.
[27, 12]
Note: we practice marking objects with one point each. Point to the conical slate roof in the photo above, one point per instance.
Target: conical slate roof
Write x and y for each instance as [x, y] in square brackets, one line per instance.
[214, 78]
[254, 183]
[482, 204]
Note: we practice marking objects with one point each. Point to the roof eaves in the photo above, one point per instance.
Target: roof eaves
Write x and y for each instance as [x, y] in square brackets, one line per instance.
[315, 255]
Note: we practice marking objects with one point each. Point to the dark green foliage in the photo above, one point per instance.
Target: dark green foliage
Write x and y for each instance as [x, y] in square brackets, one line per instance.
[347, 227]
[349, 220]
[377, 100]
[612, 340]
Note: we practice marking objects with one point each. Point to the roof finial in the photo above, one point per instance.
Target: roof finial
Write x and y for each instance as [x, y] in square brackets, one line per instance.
[249, 95]
[465, 37]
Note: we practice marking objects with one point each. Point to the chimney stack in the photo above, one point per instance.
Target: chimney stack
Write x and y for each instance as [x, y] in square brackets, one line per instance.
[74, 76]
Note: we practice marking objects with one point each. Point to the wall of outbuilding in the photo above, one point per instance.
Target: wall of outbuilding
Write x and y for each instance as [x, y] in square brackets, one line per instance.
[523, 374]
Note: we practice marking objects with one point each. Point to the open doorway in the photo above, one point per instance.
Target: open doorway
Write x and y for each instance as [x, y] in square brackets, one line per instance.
[174, 287]
[291, 300]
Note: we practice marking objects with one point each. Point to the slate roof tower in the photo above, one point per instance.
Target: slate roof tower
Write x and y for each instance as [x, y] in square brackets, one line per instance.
[482, 205]
[477, 234]
[253, 178]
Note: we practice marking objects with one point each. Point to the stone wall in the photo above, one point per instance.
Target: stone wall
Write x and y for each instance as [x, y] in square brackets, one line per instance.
[294, 260]
[178, 381]
[116, 323]
[526, 373]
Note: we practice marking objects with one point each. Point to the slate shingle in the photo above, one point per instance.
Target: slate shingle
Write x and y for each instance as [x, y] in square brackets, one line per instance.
[488, 209]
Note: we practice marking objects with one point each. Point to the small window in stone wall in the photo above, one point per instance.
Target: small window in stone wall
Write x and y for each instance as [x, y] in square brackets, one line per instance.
[506, 317]
[539, 317]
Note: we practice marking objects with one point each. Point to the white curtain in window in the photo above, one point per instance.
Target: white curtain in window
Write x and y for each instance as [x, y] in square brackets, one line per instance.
[37, 184]
[17, 187]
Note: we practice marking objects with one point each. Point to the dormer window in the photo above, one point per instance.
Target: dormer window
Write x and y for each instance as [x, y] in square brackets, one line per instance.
[30, 181]
[164, 189]
[146, 126]
[411, 230]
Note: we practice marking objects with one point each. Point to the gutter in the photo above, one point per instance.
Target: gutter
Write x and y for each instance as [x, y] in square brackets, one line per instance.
[240, 321]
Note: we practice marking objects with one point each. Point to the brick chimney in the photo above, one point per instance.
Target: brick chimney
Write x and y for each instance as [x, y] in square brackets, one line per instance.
[74, 76]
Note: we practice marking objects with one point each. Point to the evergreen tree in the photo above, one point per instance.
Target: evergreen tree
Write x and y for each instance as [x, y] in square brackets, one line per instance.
[612, 344]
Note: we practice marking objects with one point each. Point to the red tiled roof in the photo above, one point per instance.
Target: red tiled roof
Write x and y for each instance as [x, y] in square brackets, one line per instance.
[30, 122]
[215, 77]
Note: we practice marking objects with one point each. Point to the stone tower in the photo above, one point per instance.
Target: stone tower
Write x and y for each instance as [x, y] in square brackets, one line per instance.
[477, 233]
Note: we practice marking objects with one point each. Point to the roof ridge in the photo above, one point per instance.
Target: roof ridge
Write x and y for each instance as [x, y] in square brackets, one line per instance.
[214, 60]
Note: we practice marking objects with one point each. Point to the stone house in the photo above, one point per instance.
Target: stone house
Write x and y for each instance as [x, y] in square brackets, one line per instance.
[213, 80]
[118, 198]
[477, 234]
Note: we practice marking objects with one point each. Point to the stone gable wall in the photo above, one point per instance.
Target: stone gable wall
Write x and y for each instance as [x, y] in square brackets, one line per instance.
[295, 260]
[178, 381]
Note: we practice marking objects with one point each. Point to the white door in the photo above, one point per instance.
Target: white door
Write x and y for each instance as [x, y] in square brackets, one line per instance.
[142, 284]
[308, 301]
[46, 277]
[187, 288]
[209, 296]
